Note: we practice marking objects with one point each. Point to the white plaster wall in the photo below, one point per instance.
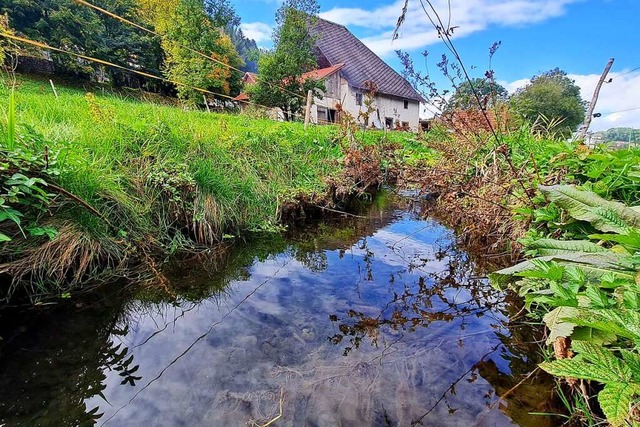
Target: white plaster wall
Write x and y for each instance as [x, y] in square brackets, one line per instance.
[386, 106]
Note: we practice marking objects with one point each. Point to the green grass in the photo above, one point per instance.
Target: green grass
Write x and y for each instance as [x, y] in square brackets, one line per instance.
[163, 179]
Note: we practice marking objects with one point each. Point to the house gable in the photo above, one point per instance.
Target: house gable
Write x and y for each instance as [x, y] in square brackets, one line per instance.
[335, 44]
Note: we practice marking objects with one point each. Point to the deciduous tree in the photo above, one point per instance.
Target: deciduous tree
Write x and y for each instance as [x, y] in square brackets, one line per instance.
[555, 97]
[489, 92]
[281, 83]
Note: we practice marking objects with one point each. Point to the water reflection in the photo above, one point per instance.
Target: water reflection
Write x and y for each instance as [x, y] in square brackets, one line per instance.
[364, 321]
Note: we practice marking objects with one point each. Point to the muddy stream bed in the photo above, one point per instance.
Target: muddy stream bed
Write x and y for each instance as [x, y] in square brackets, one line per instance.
[375, 320]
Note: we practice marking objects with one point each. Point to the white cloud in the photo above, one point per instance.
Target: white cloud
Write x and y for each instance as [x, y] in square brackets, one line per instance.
[469, 16]
[258, 31]
[618, 100]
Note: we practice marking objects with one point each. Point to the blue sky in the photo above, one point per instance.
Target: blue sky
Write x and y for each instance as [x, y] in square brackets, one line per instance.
[579, 36]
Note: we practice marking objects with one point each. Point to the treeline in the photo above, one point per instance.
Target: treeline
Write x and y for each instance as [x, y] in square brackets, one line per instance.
[621, 134]
[187, 35]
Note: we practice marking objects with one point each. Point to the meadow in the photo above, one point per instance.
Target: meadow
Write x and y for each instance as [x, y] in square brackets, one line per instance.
[96, 182]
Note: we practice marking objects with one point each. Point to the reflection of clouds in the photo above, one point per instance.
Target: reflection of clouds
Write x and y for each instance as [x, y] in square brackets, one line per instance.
[270, 333]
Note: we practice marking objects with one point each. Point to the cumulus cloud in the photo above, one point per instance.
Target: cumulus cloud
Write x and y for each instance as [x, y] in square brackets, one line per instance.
[469, 16]
[258, 31]
[618, 100]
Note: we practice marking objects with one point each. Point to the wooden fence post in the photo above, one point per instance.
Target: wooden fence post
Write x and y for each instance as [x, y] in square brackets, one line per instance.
[307, 111]
[592, 105]
[54, 88]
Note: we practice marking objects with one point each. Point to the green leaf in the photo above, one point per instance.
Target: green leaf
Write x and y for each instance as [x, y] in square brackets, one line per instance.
[50, 232]
[621, 321]
[555, 321]
[558, 247]
[4, 238]
[597, 298]
[616, 400]
[603, 357]
[594, 264]
[631, 241]
[604, 215]
[576, 368]
[11, 214]
[632, 359]
[596, 336]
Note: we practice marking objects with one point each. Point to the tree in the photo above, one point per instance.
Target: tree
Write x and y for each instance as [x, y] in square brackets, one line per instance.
[489, 92]
[189, 35]
[222, 13]
[553, 96]
[281, 83]
[79, 29]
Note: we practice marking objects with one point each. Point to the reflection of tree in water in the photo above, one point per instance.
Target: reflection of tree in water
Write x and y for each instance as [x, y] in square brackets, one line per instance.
[51, 363]
[455, 294]
[432, 297]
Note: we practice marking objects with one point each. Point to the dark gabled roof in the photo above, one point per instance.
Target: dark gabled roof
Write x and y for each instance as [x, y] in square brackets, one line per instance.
[335, 44]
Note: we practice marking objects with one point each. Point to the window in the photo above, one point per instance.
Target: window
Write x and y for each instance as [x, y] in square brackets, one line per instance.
[322, 115]
[358, 99]
[406, 104]
[388, 122]
[331, 116]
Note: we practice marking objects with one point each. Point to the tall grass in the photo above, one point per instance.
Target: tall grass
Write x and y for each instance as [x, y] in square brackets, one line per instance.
[162, 179]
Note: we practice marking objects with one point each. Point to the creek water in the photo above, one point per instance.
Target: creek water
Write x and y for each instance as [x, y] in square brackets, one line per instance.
[375, 320]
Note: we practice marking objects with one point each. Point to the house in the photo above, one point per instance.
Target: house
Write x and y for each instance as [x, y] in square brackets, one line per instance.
[355, 80]
[396, 102]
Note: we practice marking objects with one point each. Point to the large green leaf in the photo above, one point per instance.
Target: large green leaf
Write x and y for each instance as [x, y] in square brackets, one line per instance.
[576, 368]
[604, 215]
[558, 247]
[622, 322]
[631, 241]
[616, 400]
[632, 359]
[594, 264]
[593, 362]
[596, 336]
[603, 357]
[555, 321]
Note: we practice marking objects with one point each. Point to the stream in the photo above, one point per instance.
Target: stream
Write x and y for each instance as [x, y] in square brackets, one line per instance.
[370, 320]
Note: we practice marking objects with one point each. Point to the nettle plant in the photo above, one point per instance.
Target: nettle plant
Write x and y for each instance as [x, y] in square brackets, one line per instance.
[23, 189]
[590, 292]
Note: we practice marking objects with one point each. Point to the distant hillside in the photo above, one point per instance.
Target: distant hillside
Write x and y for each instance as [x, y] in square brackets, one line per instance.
[620, 134]
[247, 48]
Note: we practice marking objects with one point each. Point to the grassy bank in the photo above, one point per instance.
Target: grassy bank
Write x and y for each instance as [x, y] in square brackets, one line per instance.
[571, 212]
[95, 184]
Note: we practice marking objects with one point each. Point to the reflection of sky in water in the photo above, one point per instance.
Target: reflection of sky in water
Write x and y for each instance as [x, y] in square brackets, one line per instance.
[231, 359]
